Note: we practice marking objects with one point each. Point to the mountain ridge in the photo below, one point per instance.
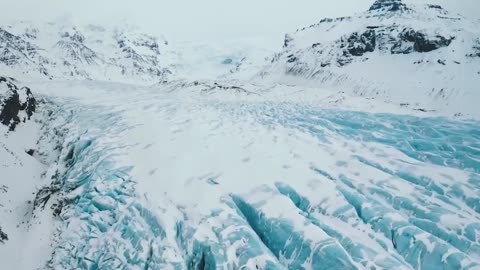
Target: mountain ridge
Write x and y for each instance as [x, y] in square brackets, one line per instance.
[388, 52]
[58, 52]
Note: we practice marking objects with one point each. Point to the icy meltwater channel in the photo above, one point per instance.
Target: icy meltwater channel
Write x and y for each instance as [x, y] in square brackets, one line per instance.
[168, 180]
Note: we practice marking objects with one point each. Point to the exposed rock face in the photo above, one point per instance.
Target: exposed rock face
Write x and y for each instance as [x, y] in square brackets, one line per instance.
[133, 63]
[85, 52]
[359, 44]
[411, 40]
[75, 50]
[30, 104]
[424, 44]
[75, 36]
[45, 193]
[385, 39]
[394, 51]
[476, 49]
[3, 236]
[388, 5]
[374, 31]
[14, 50]
[18, 104]
[287, 40]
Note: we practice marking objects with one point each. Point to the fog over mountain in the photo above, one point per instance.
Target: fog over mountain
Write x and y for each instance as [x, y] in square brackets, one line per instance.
[204, 20]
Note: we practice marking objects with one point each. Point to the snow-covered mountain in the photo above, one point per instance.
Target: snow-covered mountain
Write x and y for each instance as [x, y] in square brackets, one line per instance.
[64, 52]
[415, 56]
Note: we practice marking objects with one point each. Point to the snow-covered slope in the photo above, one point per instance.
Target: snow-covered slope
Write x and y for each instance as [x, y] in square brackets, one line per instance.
[417, 56]
[61, 51]
[25, 234]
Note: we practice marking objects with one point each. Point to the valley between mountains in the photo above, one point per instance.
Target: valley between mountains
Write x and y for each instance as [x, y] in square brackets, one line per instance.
[355, 144]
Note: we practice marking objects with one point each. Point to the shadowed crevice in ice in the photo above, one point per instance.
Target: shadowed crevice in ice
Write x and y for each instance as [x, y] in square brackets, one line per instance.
[201, 255]
[363, 253]
[104, 225]
[438, 140]
[429, 187]
[205, 253]
[422, 182]
[428, 217]
[295, 240]
[418, 247]
[441, 216]
[373, 206]
[473, 202]
[224, 240]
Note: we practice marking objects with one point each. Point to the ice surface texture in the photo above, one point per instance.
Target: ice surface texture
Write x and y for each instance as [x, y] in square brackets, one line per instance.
[390, 191]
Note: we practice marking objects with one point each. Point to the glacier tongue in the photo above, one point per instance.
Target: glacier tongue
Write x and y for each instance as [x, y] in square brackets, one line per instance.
[185, 179]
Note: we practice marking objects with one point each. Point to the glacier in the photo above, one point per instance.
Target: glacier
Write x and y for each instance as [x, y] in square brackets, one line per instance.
[294, 187]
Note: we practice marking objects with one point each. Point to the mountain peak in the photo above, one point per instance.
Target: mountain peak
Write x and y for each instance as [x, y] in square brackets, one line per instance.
[388, 5]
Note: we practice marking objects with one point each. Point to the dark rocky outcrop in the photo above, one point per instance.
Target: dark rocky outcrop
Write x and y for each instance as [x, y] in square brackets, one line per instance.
[45, 193]
[10, 109]
[424, 44]
[434, 6]
[15, 50]
[75, 51]
[217, 86]
[30, 104]
[12, 104]
[476, 49]
[3, 236]
[359, 44]
[75, 36]
[411, 40]
[355, 46]
[288, 39]
[388, 5]
[140, 63]
[291, 58]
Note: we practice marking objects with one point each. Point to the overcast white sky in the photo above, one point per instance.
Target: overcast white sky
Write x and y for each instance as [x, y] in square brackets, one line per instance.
[207, 19]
